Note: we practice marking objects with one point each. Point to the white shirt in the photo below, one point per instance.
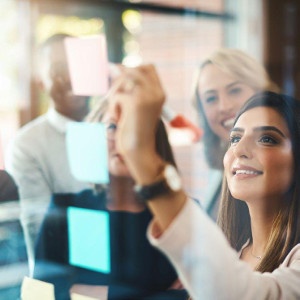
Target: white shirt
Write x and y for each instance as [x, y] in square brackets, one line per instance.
[37, 158]
[210, 269]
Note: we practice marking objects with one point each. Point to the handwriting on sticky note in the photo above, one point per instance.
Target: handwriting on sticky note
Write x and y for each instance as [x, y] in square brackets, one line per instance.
[33, 289]
[89, 239]
[88, 65]
[87, 152]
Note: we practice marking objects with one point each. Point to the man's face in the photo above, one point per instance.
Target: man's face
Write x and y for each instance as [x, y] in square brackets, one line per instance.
[56, 79]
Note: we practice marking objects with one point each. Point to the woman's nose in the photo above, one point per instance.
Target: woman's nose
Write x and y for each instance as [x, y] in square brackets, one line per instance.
[225, 103]
[243, 149]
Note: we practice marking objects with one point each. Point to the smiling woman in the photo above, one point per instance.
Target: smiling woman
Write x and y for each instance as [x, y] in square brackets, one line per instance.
[225, 81]
[262, 154]
[258, 152]
[260, 203]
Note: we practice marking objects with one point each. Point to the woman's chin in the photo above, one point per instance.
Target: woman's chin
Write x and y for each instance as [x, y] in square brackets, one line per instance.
[118, 168]
[119, 172]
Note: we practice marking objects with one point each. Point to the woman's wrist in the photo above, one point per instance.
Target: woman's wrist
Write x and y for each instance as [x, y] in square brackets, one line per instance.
[145, 169]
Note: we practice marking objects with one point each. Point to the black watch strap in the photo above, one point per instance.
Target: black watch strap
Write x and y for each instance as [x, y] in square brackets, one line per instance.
[169, 182]
[151, 191]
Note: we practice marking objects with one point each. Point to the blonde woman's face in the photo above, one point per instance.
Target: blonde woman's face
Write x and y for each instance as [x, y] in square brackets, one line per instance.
[221, 96]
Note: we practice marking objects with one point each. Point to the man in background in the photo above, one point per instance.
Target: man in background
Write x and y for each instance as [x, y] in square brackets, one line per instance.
[37, 158]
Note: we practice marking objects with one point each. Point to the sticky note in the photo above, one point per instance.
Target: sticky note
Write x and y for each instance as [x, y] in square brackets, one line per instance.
[88, 64]
[89, 292]
[87, 151]
[89, 240]
[75, 296]
[33, 289]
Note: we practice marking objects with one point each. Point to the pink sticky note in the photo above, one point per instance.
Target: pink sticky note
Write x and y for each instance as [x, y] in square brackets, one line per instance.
[88, 65]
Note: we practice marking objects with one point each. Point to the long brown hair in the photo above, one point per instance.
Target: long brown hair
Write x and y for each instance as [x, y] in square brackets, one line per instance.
[234, 218]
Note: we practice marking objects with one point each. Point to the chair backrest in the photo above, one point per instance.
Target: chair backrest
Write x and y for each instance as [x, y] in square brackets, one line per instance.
[8, 188]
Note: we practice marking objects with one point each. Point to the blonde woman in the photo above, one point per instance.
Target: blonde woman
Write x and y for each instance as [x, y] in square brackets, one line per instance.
[224, 82]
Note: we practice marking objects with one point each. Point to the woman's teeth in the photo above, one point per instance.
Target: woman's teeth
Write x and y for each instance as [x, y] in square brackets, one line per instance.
[248, 172]
[229, 123]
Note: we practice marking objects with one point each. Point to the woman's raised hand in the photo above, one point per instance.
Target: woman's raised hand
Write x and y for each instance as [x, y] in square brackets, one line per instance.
[137, 101]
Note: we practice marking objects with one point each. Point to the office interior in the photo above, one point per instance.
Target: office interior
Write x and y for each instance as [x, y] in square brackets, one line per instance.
[173, 35]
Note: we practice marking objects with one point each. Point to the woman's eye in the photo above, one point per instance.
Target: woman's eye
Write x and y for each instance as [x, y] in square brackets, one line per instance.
[210, 99]
[111, 129]
[235, 91]
[268, 140]
[234, 139]
[111, 126]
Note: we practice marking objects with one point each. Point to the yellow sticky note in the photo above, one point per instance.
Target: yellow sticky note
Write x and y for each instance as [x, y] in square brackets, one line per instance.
[33, 289]
[75, 296]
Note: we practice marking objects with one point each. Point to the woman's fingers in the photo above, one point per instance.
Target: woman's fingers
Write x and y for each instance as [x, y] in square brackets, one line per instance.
[136, 99]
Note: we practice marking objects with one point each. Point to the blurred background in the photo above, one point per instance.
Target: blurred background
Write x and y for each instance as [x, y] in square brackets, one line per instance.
[175, 35]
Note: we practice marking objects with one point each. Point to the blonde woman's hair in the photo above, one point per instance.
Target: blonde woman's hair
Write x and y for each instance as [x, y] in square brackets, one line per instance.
[245, 69]
[240, 65]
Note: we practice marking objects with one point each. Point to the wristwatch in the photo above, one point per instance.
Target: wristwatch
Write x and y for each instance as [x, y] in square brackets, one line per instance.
[169, 182]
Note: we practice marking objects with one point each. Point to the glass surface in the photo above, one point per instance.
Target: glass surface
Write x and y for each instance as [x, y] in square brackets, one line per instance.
[52, 218]
[76, 232]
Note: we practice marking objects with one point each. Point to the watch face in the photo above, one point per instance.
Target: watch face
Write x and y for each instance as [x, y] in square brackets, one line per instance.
[172, 177]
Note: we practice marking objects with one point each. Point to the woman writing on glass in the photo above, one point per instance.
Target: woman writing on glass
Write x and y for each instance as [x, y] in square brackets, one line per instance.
[260, 208]
[137, 270]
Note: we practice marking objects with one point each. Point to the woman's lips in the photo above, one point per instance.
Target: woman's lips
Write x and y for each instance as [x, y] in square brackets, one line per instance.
[228, 123]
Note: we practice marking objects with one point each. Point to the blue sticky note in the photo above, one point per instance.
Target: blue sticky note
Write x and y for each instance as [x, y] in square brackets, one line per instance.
[87, 152]
[89, 240]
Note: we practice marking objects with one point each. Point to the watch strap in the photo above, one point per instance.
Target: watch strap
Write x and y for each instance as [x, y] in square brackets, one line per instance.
[167, 182]
[151, 191]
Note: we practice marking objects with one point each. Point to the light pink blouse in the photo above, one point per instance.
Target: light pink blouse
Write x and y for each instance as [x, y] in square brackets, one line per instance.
[210, 269]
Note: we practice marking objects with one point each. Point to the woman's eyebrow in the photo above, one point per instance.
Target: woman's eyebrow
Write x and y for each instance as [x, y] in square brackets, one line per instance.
[211, 91]
[237, 129]
[269, 128]
[260, 128]
[232, 84]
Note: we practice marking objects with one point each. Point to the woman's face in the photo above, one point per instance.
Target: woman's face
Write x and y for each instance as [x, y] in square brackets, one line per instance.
[259, 162]
[116, 164]
[221, 97]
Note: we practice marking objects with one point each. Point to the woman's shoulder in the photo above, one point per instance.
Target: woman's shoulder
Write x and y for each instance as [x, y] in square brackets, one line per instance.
[292, 257]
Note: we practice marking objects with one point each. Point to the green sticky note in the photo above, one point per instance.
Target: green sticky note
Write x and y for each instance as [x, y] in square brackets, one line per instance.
[87, 152]
[89, 240]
